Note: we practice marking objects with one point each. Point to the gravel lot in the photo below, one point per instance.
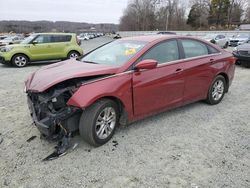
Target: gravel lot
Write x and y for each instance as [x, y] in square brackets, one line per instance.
[193, 146]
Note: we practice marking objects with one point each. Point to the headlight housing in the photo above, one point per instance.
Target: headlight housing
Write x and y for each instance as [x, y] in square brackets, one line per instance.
[5, 49]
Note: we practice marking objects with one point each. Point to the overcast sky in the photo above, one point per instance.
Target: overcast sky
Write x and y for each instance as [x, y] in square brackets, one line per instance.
[92, 11]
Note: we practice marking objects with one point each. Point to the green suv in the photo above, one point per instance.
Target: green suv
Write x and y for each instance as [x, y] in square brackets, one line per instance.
[41, 47]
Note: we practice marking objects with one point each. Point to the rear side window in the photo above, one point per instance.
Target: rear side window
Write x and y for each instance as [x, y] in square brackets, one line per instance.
[164, 52]
[193, 48]
[43, 39]
[61, 38]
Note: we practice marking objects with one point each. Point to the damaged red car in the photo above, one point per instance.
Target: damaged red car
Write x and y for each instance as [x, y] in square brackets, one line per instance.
[126, 80]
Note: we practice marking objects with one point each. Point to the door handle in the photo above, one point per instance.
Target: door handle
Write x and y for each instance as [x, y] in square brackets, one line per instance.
[211, 60]
[178, 70]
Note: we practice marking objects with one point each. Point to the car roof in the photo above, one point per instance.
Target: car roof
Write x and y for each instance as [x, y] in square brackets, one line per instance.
[152, 38]
[53, 34]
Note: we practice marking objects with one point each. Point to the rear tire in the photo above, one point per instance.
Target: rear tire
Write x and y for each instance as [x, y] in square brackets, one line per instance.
[98, 122]
[216, 91]
[226, 45]
[73, 55]
[19, 60]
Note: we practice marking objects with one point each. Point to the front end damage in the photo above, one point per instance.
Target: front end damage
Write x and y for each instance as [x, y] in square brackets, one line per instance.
[52, 116]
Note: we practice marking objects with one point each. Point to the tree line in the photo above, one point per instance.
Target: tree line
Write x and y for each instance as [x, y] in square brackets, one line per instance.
[142, 15]
[48, 26]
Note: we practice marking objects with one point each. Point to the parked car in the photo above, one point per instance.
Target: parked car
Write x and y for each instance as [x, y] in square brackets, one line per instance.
[126, 80]
[239, 39]
[41, 47]
[83, 36]
[218, 39]
[166, 33]
[117, 36]
[3, 37]
[11, 40]
[242, 53]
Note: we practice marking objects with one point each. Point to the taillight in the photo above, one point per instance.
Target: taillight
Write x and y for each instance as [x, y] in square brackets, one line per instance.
[232, 60]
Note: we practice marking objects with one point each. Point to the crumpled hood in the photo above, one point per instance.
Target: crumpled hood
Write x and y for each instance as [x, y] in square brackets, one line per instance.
[53, 74]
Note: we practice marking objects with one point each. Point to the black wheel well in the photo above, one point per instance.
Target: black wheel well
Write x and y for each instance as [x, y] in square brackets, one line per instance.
[122, 111]
[74, 51]
[117, 101]
[20, 54]
[227, 80]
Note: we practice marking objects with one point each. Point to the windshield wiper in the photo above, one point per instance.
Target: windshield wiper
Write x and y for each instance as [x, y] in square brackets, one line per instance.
[90, 62]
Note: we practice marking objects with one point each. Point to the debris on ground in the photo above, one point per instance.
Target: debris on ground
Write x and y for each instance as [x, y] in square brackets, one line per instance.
[115, 143]
[1, 138]
[31, 138]
[63, 147]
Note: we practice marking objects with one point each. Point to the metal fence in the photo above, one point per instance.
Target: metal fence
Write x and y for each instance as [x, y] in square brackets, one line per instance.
[190, 33]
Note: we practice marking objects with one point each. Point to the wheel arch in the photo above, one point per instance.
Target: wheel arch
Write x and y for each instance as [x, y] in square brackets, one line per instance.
[123, 116]
[73, 50]
[20, 54]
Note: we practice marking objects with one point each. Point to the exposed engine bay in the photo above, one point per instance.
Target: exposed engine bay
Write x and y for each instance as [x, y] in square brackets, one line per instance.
[53, 117]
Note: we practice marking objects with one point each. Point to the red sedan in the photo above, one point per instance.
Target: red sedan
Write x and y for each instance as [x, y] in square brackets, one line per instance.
[124, 81]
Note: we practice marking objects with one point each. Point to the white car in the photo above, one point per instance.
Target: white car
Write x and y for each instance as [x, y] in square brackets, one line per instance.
[83, 36]
[218, 39]
[10, 40]
[239, 39]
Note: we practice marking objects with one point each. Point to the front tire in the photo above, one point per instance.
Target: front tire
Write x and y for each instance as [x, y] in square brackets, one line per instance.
[19, 60]
[98, 122]
[217, 90]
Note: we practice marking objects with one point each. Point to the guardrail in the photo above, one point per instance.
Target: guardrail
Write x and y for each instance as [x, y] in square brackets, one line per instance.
[190, 33]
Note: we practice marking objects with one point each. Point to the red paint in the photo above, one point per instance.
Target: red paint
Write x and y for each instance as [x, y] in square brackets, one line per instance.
[146, 91]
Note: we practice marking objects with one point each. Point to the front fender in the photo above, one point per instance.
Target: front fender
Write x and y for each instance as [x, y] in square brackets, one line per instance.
[118, 86]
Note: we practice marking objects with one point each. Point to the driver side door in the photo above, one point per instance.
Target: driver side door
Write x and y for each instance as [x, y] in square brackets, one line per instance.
[162, 87]
[41, 48]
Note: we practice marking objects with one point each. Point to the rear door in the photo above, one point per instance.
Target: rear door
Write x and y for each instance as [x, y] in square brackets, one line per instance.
[59, 45]
[162, 87]
[199, 61]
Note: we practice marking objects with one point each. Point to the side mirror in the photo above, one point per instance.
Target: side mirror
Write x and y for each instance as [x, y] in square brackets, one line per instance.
[34, 42]
[146, 64]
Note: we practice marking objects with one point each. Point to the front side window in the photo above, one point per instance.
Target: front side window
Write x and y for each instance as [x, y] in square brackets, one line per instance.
[164, 52]
[193, 48]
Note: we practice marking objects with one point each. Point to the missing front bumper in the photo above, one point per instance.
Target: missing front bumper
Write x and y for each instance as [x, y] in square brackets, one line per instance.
[64, 121]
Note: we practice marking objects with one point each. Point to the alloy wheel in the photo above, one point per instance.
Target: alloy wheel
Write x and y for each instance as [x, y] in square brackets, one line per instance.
[20, 61]
[105, 122]
[218, 90]
[73, 55]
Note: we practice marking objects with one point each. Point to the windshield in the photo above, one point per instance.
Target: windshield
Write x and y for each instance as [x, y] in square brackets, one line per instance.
[115, 53]
[28, 39]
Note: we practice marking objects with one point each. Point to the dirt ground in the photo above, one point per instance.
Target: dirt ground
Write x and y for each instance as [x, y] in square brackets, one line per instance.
[194, 146]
